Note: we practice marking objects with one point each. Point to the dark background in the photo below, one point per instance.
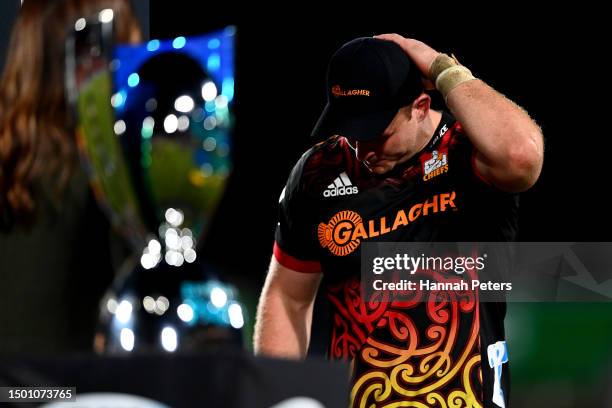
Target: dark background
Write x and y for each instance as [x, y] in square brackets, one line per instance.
[550, 63]
[553, 63]
[538, 62]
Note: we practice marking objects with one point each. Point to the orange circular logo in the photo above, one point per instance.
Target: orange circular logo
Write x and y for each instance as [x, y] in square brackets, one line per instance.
[336, 91]
[337, 235]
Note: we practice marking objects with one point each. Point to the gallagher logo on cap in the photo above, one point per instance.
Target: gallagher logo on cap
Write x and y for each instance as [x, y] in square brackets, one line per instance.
[337, 91]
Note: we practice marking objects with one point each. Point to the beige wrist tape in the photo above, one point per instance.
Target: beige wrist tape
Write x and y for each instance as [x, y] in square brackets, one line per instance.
[451, 78]
[439, 64]
[447, 73]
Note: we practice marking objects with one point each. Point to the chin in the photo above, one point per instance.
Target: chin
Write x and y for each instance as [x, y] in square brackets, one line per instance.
[381, 168]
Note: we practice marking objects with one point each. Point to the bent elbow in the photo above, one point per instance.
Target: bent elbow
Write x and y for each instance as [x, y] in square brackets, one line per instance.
[525, 164]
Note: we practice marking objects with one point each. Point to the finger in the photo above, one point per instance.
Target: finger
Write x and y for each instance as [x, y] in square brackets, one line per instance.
[389, 37]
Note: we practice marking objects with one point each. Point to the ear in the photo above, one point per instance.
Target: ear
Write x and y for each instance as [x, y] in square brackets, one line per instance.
[421, 106]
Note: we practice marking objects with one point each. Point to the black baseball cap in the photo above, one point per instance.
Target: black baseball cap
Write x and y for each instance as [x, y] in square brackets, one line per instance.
[368, 80]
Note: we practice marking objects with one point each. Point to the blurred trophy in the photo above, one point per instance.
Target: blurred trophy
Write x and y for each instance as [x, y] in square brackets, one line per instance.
[154, 128]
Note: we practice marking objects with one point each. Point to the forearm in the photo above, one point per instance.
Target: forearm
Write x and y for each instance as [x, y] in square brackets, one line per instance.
[508, 141]
[283, 326]
[495, 125]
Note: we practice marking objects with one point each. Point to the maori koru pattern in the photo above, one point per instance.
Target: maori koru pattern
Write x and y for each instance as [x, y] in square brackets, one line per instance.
[422, 351]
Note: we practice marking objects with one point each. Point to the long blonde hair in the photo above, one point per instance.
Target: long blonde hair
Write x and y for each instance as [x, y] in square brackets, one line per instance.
[35, 135]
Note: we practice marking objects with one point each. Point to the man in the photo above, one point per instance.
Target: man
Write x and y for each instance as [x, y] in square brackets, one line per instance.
[410, 174]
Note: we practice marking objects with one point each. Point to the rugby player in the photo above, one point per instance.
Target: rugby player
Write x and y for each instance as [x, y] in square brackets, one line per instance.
[391, 168]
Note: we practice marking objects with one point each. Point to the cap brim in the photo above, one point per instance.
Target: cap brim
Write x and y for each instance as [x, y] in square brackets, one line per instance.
[364, 127]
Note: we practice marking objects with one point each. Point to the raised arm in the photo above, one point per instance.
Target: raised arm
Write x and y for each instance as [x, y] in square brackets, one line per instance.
[509, 144]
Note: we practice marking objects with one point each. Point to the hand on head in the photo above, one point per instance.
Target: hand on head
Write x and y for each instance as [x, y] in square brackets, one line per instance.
[420, 53]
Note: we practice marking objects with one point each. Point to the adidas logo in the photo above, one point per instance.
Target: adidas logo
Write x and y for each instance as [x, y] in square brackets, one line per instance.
[341, 186]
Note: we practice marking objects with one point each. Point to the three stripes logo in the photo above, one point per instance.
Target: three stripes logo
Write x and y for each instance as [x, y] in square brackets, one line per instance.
[341, 186]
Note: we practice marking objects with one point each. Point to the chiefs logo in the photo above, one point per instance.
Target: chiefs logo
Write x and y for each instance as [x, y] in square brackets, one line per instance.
[337, 235]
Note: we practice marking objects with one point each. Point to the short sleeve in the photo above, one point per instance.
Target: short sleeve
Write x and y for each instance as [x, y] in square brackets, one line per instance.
[295, 245]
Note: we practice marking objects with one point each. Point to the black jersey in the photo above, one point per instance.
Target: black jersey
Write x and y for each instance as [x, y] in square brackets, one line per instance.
[450, 354]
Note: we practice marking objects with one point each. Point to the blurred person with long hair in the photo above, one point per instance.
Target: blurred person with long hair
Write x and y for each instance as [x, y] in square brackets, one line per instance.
[55, 244]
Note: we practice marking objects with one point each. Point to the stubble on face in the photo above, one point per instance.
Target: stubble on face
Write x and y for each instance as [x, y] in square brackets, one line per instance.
[391, 148]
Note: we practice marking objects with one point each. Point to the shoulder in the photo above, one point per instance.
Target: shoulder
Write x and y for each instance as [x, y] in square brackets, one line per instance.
[319, 163]
[449, 133]
[450, 139]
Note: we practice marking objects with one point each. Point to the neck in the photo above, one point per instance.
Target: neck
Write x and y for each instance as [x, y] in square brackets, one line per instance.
[429, 126]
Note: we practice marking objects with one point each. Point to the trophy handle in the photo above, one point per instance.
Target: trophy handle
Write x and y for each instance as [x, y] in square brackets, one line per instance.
[89, 93]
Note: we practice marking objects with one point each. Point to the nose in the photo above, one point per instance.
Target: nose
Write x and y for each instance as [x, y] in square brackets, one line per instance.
[364, 151]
